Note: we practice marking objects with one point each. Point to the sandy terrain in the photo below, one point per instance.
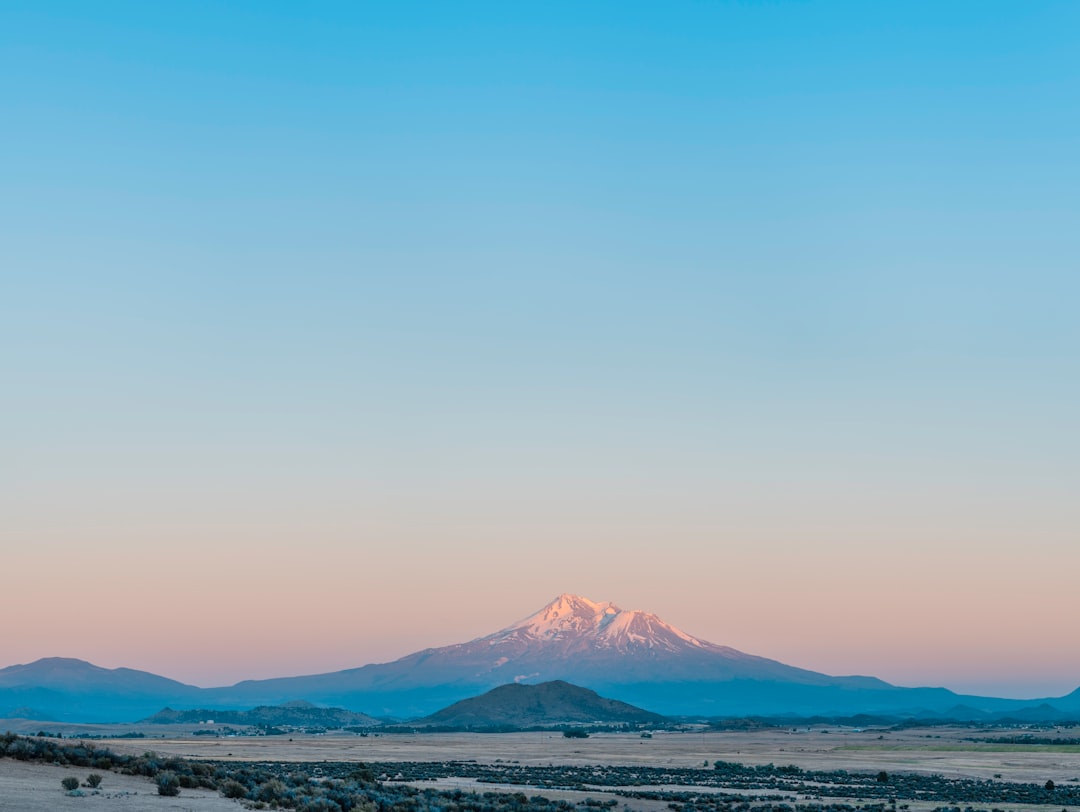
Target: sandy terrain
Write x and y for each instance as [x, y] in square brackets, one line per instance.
[26, 787]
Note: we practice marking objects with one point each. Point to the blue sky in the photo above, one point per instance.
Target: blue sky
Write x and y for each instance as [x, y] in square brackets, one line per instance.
[663, 290]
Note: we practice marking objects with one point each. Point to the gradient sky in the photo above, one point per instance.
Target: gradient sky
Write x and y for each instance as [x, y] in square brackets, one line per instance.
[331, 331]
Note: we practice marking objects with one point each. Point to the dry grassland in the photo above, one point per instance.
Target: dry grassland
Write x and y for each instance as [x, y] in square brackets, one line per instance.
[935, 750]
[29, 787]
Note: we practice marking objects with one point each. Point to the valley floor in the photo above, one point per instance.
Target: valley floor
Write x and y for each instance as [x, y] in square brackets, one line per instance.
[942, 751]
[455, 760]
[29, 787]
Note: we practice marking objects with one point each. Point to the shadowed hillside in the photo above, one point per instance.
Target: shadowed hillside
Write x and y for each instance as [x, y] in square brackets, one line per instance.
[549, 703]
[292, 714]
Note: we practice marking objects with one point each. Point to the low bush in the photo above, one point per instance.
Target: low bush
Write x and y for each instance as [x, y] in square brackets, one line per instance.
[168, 784]
[233, 789]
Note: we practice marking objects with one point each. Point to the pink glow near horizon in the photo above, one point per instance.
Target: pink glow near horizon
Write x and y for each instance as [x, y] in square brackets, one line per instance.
[284, 615]
[333, 331]
[212, 598]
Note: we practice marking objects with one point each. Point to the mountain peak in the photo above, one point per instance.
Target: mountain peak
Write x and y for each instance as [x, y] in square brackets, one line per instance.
[567, 614]
[68, 671]
[578, 623]
[57, 662]
[56, 666]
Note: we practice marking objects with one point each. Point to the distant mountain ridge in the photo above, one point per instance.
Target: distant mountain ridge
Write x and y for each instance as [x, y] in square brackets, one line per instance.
[292, 714]
[548, 704]
[72, 675]
[628, 655]
[67, 689]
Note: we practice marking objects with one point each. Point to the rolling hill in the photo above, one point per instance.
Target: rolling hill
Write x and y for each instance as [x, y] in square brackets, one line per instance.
[545, 705]
[66, 689]
[291, 714]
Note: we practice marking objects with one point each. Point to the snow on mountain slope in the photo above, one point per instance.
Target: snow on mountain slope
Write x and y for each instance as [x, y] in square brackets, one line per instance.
[577, 639]
[580, 624]
[572, 638]
[628, 655]
[566, 614]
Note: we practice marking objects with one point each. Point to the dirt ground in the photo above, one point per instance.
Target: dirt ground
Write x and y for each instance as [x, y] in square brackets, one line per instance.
[28, 787]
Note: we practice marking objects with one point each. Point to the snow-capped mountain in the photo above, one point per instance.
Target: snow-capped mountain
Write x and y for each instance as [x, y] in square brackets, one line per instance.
[627, 655]
[577, 638]
[574, 624]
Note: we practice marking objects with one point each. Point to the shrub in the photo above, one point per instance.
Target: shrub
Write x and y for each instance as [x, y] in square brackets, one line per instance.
[272, 791]
[1049, 785]
[320, 805]
[233, 789]
[362, 774]
[168, 784]
[70, 783]
[93, 780]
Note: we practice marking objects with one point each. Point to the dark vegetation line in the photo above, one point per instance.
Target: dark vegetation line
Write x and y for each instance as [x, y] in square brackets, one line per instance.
[1025, 738]
[273, 785]
[865, 720]
[791, 780]
[380, 787]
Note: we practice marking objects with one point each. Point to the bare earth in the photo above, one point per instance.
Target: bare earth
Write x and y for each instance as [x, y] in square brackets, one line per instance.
[26, 787]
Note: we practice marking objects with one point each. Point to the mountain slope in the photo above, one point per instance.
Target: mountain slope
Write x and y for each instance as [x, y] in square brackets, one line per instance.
[74, 690]
[549, 703]
[631, 655]
[1070, 702]
[293, 714]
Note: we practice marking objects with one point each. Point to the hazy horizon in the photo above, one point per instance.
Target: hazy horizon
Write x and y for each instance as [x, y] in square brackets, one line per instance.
[1020, 689]
[332, 333]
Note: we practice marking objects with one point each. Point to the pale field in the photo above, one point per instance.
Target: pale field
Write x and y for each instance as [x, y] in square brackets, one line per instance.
[939, 750]
[27, 787]
[839, 748]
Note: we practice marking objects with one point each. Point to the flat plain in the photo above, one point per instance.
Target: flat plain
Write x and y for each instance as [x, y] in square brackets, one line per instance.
[943, 751]
[938, 750]
[29, 787]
